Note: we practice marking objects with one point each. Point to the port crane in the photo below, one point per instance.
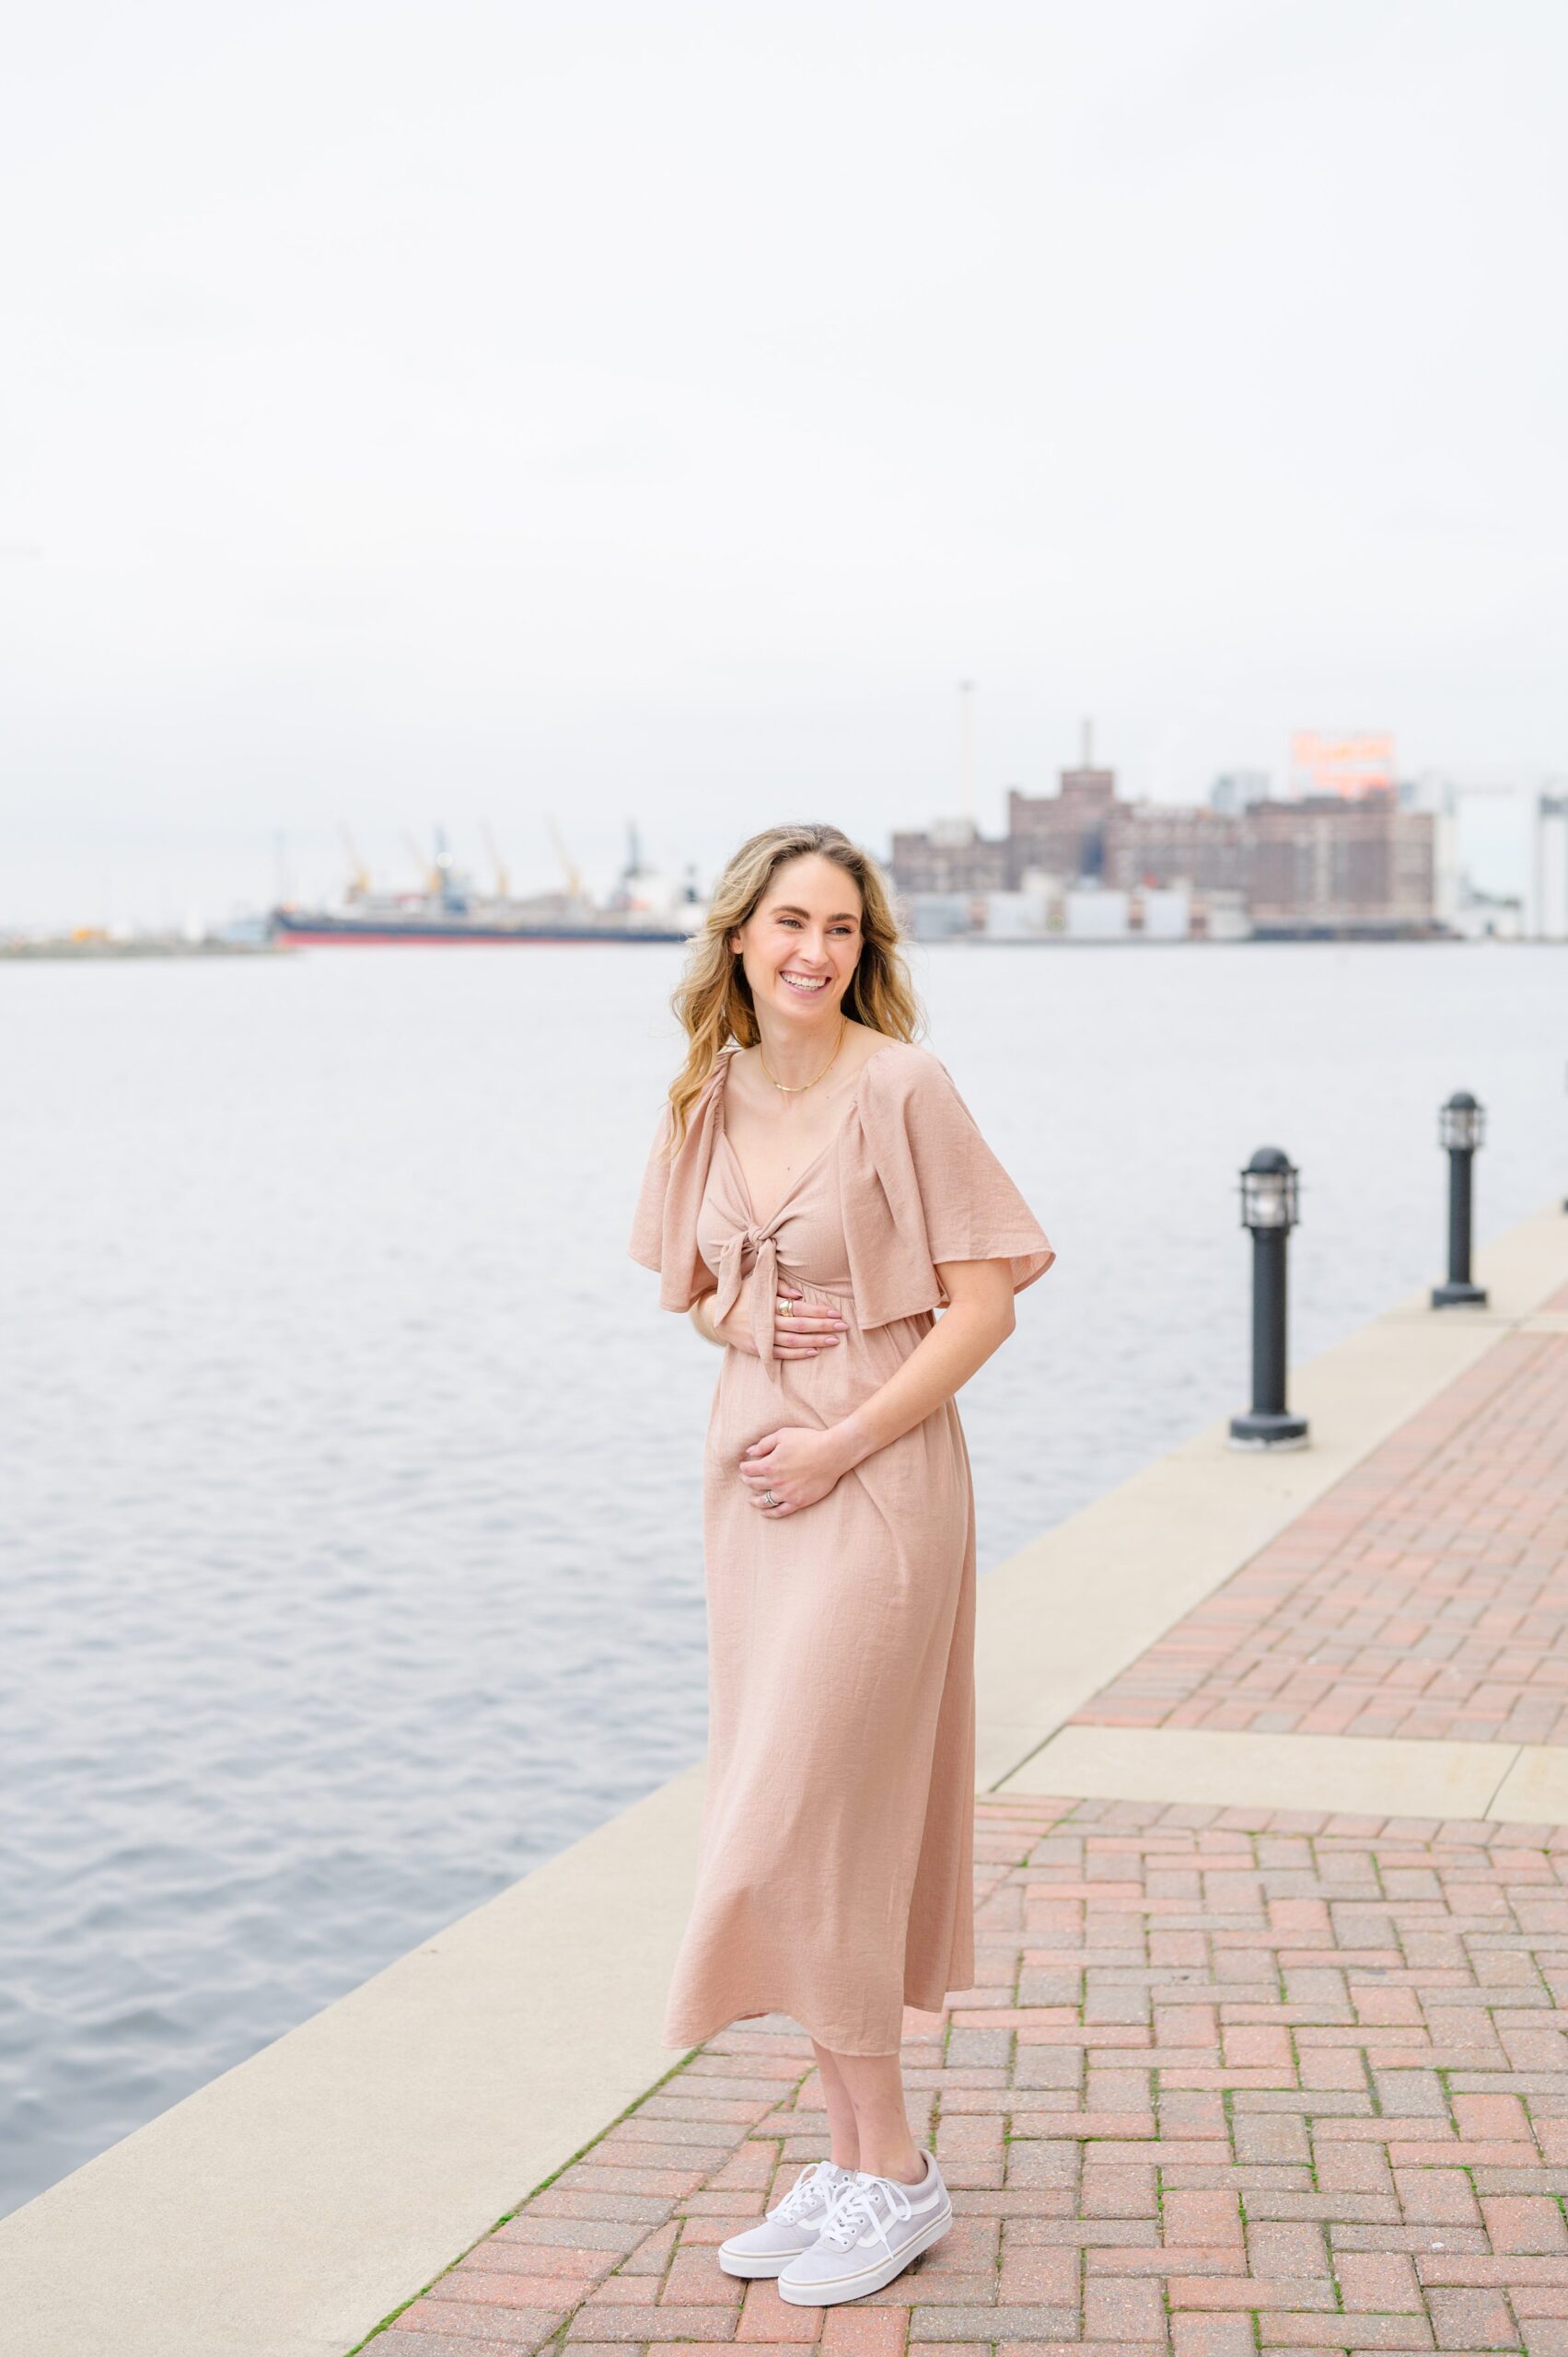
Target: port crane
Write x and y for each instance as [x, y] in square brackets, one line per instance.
[429, 870]
[502, 880]
[573, 879]
[358, 873]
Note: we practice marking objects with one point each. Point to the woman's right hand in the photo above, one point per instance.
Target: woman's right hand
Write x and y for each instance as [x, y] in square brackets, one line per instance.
[807, 1328]
[799, 1333]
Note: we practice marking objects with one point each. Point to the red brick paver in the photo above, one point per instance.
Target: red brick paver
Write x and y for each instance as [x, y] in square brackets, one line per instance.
[1231, 2081]
[1426, 1595]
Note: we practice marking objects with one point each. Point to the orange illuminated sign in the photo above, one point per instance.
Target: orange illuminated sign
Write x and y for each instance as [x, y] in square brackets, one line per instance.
[1345, 765]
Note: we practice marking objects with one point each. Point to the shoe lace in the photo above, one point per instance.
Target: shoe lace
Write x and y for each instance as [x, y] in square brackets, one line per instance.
[816, 2183]
[856, 2208]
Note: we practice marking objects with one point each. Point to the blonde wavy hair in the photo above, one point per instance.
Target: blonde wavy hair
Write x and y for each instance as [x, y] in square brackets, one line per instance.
[713, 1001]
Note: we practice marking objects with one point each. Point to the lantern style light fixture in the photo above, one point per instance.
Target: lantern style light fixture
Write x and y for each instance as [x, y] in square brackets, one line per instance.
[1461, 1129]
[1461, 1123]
[1270, 1209]
[1270, 1191]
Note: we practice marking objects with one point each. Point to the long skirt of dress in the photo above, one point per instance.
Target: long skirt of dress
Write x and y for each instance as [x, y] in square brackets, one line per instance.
[835, 1879]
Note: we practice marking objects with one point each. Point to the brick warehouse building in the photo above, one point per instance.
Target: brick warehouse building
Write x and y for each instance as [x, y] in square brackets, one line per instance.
[1167, 843]
[949, 857]
[1064, 833]
[1327, 865]
[1331, 866]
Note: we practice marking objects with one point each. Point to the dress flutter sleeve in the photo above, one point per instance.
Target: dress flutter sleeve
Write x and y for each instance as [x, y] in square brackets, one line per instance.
[663, 1226]
[920, 1186]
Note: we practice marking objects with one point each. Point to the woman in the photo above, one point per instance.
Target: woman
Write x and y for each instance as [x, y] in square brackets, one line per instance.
[816, 1190]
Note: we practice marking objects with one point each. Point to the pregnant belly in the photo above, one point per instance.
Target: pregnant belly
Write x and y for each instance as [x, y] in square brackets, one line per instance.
[925, 1471]
[814, 1390]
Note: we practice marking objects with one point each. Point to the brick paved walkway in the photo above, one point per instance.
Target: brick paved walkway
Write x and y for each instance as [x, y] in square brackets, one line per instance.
[1233, 2081]
[1426, 1595]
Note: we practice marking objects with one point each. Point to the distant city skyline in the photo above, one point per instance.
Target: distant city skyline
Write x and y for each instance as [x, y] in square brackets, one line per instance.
[424, 415]
[313, 862]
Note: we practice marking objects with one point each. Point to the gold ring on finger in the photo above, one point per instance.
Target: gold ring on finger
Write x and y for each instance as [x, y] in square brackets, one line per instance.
[787, 1309]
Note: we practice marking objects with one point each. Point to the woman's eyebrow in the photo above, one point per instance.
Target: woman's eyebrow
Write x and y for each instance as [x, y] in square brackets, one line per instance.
[787, 909]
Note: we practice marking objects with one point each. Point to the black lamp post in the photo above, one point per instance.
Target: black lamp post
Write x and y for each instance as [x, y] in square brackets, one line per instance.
[1461, 1128]
[1269, 1208]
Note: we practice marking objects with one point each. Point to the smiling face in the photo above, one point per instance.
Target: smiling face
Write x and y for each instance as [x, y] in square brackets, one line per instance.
[801, 943]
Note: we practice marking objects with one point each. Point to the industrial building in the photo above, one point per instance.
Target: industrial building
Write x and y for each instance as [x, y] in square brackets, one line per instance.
[1084, 865]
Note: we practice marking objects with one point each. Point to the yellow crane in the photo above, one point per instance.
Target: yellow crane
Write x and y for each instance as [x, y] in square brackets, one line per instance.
[358, 873]
[574, 880]
[502, 881]
[430, 876]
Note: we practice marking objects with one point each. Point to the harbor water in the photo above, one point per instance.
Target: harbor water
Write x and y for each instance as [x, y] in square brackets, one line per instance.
[351, 1541]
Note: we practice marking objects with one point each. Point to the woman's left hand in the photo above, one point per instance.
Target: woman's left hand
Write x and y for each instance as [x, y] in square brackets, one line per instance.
[796, 1466]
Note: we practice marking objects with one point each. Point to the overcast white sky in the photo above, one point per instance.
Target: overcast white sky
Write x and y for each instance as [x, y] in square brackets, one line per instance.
[419, 413]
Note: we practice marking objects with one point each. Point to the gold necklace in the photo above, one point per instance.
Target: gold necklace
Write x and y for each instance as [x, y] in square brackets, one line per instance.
[804, 1084]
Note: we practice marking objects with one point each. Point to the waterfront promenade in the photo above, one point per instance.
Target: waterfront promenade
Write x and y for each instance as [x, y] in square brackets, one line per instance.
[1267, 2048]
[1232, 2076]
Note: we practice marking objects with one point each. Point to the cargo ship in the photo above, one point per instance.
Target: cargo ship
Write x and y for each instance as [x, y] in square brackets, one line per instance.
[446, 908]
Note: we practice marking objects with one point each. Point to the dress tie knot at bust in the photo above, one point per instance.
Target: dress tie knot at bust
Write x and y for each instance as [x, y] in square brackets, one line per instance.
[751, 1250]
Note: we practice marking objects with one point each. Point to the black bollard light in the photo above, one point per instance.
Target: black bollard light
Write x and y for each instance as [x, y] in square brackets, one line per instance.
[1269, 1208]
[1461, 1128]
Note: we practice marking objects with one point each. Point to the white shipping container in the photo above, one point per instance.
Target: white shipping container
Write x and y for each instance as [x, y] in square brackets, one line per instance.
[1015, 916]
[1094, 915]
[1228, 917]
[937, 916]
[1167, 912]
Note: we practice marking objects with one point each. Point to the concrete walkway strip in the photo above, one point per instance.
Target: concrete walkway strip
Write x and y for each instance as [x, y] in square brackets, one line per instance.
[1535, 1791]
[288, 2207]
[1355, 1774]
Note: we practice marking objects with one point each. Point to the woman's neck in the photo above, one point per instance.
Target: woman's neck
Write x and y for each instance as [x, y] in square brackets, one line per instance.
[798, 1058]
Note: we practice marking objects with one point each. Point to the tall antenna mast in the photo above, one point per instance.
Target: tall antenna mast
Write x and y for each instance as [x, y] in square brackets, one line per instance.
[1087, 761]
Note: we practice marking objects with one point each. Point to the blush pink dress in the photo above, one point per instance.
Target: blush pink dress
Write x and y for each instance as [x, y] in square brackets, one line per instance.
[835, 1874]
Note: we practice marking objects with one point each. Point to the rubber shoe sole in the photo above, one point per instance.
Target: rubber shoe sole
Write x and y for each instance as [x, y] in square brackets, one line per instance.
[867, 2278]
[755, 2263]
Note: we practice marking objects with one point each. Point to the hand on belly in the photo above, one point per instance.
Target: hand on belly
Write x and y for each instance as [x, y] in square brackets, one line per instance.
[793, 1468]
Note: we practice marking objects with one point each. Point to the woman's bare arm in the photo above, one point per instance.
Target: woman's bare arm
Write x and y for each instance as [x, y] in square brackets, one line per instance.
[701, 1320]
[977, 1321]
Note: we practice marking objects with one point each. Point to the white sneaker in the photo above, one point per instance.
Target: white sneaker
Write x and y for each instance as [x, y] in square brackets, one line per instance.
[790, 2226]
[873, 2231]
